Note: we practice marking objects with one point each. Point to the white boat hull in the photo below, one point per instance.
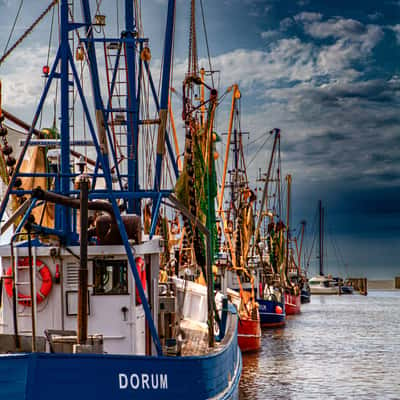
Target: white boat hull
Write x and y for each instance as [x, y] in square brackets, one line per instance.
[324, 290]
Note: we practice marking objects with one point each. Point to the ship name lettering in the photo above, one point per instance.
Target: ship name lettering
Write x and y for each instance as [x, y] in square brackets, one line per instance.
[143, 381]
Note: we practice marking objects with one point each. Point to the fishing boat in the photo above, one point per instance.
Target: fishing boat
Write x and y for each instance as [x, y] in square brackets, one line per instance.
[83, 312]
[238, 231]
[269, 247]
[300, 273]
[292, 270]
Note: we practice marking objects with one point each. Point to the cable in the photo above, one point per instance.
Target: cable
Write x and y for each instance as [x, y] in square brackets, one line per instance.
[13, 27]
[48, 59]
[28, 31]
[255, 155]
[206, 39]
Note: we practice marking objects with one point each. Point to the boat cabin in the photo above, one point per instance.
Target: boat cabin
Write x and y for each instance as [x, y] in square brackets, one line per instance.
[116, 319]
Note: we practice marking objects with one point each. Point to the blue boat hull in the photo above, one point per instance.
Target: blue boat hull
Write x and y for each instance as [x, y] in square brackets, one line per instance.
[34, 376]
[305, 296]
[268, 315]
[346, 289]
[78, 377]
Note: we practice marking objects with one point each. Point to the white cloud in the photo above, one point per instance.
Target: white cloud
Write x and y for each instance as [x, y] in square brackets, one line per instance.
[353, 43]
[23, 83]
[375, 16]
[396, 30]
[314, 93]
[286, 23]
[270, 35]
[308, 17]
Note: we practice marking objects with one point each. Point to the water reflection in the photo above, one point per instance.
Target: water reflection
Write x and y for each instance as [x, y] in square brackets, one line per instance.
[340, 347]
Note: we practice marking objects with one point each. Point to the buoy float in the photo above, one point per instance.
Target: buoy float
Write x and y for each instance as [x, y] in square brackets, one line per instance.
[141, 269]
[278, 310]
[44, 290]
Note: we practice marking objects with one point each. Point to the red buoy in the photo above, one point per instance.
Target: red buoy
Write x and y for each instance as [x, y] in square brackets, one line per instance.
[278, 309]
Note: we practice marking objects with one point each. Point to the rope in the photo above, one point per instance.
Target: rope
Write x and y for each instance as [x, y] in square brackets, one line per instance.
[47, 63]
[258, 151]
[28, 31]
[206, 39]
[13, 27]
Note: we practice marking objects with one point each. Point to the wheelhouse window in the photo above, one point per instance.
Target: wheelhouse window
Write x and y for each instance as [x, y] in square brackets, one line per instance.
[110, 277]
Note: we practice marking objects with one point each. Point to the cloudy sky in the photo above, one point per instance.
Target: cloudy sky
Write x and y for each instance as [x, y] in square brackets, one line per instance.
[325, 72]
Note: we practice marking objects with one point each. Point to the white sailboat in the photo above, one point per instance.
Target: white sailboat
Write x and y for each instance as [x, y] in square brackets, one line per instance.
[322, 284]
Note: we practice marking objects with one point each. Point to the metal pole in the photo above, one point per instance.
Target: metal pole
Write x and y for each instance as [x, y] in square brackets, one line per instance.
[264, 198]
[169, 31]
[131, 106]
[65, 220]
[14, 294]
[83, 269]
[321, 267]
[289, 182]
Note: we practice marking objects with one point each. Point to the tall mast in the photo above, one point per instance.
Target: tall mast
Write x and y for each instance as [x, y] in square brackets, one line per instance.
[235, 97]
[132, 107]
[268, 177]
[321, 238]
[289, 184]
[193, 61]
[303, 224]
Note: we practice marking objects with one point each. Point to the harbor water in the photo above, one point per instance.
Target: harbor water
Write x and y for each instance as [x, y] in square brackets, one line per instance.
[339, 347]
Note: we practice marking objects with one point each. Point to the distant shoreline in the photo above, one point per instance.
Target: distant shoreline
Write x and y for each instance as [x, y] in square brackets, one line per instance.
[387, 284]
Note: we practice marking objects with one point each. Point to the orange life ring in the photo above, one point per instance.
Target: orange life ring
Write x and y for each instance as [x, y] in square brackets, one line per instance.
[44, 290]
[141, 269]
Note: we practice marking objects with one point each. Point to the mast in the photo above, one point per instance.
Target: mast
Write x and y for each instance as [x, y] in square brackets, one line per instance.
[289, 184]
[303, 224]
[321, 238]
[264, 197]
[235, 96]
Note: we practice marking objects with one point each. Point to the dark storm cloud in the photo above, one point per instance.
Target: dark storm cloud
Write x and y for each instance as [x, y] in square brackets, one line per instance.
[346, 122]
[385, 201]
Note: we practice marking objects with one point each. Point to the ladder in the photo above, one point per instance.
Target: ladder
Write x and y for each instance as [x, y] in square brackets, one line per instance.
[116, 74]
[20, 285]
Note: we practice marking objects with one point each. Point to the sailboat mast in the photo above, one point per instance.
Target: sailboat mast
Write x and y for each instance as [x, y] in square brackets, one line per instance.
[321, 238]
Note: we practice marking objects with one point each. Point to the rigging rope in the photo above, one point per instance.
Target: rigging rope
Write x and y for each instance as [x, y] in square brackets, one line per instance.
[28, 31]
[47, 63]
[13, 27]
[260, 148]
[206, 39]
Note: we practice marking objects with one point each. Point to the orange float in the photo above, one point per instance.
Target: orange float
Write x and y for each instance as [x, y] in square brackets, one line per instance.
[45, 288]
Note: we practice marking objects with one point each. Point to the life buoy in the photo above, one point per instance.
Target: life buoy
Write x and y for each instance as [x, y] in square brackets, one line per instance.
[141, 269]
[44, 290]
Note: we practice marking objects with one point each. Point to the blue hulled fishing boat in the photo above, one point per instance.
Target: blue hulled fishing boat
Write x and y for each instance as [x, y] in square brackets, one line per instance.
[84, 314]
